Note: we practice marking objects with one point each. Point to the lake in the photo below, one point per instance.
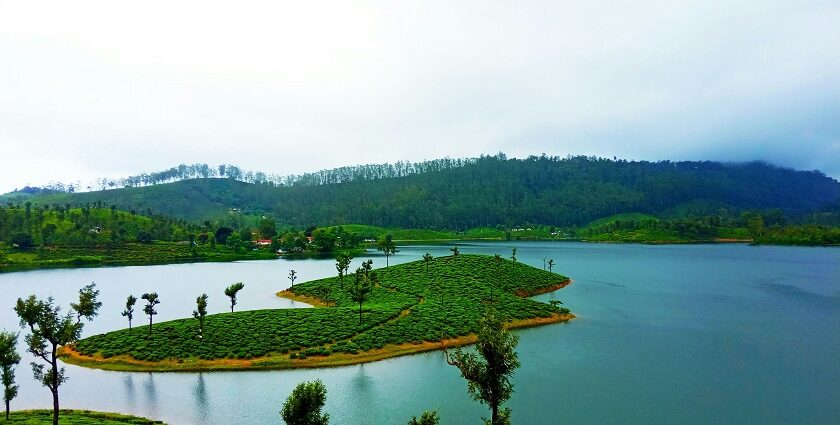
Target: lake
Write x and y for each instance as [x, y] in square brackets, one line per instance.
[665, 334]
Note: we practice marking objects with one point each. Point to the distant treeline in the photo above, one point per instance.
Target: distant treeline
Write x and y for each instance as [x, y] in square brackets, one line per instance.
[233, 172]
[469, 193]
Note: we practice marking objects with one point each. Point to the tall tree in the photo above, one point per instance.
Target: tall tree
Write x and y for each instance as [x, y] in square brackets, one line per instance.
[292, 277]
[9, 357]
[49, 330]
[231, 292]
[387, 246]
[342, 264]
[550, 265]
[427, 259]
[200, 312]
[455, 251]
[151, 301]
[427, 418]
[304, 404]
[488, 377]
[88, 305]
[129, 309]
[513, 256]
[365, 278]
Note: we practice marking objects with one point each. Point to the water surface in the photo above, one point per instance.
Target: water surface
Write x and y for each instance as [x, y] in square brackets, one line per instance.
[692, 334]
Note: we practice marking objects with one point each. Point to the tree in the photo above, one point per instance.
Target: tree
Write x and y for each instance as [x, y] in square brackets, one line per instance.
[342, 264]
[151, 301]
[292, 277]
[427, 418]
[427, 259]
[8, 359]
[455, 251]
[304, 404]
[267, 228]
[50, 330]
[200, 312]
[365, 277]
[387, 246]
[488, 377]
[513, 256]
[129, 309]
[88, 305]
[231, 292]
[222, 233]
[550, 265]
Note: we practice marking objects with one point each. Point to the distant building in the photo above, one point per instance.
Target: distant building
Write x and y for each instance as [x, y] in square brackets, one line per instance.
[264, 242]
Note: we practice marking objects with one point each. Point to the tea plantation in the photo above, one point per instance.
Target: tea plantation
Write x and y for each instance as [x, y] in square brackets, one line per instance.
[412, 303]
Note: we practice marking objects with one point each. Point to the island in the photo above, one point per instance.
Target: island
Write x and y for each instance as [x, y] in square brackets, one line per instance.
[409, 308]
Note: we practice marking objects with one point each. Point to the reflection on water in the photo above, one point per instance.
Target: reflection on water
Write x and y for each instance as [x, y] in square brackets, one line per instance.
[200, 395]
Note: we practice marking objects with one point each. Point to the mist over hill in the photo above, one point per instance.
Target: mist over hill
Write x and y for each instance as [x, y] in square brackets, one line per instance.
[486, 191]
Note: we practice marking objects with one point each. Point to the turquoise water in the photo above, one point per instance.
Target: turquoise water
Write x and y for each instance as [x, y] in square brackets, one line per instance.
[695, 334]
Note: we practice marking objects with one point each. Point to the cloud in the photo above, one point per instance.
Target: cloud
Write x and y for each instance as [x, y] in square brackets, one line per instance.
[104, 88]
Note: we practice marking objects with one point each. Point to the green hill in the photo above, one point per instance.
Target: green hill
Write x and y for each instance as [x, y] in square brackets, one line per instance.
[483, 192]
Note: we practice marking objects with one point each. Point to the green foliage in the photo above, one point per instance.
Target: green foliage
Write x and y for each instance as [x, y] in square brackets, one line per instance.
[387, 246]
[408, 305]
[151, 301]
[304, 404]
[76, 417]
[8, 359]
[130, 302]
[231, 292]
[427, 418]
[488, 376]
[458, 194]
[200, 312]
[50, 330]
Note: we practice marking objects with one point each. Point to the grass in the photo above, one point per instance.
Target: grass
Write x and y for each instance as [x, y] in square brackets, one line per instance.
[123, 254]
[73, 417]
[409, 310]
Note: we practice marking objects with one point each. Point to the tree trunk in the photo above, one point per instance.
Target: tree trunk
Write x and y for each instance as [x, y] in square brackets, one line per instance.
[150, 325]
[7, 410]
[54, 387]
[360, 313]
[495, 419]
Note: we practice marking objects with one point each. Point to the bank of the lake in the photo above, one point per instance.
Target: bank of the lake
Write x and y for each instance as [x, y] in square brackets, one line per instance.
[74, 417]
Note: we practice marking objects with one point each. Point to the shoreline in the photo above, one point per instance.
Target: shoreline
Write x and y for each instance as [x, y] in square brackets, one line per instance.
[125, 363]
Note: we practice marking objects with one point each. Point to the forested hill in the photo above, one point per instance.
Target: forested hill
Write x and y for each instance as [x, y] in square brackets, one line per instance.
[489, 191]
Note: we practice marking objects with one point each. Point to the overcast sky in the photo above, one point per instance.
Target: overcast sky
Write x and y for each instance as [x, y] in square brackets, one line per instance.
[108, 88]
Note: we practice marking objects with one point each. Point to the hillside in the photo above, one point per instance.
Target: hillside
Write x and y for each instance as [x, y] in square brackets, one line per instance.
[489, 192]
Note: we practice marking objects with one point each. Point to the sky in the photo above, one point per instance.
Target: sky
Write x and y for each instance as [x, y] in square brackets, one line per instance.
[108, 89]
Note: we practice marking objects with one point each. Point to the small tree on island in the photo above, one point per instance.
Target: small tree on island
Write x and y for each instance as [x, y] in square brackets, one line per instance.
[427, 418]
[49, 330]
[455, 251]
[304, 404]
[550, 265]
[200, 312]
[88, 306]
[129, 309]
[151, 301]
[387, 246]
[365, 278]
[231, 292]
[488, 377]
[292, 277]
[342, 264]
[9, 357]
[427, 259]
